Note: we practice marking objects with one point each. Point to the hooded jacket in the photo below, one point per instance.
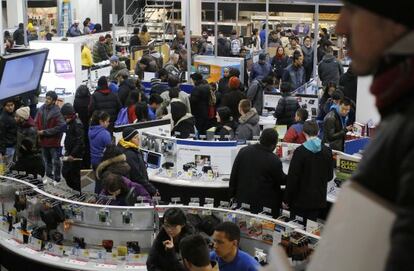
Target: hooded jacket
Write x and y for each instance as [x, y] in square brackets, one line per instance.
[330, 70]
[295, 76]
[199, 100]
[99, 52]
[114, 71]
[286, 110]
[260, 71]
[295, 134]
[50, 120]
[231, 99]
[99, 138]
[124, 90]
[310, 170]
[134, 189]
[105, 100]
[182, 96]
[248, 126]
[255, 95]
[74, 142]
[8, 129]
[81, 104]
[135, 160]
[26, 130]
[256, 177]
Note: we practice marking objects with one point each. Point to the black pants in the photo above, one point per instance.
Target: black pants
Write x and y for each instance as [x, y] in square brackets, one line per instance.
[311, 214]
[71, 173]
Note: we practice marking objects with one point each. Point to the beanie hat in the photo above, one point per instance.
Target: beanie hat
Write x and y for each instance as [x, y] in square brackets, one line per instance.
[67, 109]
[114, 59]
[23, 112]
[234, 82]
[402, 15]
[103, 82]
[129, 133]
[52, 95]
[178, 110]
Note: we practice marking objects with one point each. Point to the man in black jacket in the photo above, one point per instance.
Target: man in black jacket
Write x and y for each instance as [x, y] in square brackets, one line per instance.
[74, 147]
[330, 69]
[104, 100]
[8, 131]
[126, 85]
[311, 168]
[334, 125]
[199, 99]
[129, 145]
[18, 35]
[286, 107]
[257, 181]
[387, 164]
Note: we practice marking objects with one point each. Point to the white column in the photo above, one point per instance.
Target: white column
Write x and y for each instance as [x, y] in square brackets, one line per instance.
[366, 109]
[83, 9]
[195, 16]
[14, 13]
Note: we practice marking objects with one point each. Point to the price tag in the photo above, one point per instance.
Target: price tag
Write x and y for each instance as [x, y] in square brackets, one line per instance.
[106, 266]
[50, 257]
[76, 262]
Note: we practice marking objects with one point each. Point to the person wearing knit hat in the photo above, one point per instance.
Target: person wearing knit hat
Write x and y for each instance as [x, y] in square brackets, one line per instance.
[129, 144]
[74, 147]
[232, 98]
[381, 43]
[117, 66]
[23, 113]
[25, 129]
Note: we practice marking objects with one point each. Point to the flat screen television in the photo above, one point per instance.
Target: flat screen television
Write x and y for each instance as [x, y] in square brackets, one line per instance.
[21, 72]
[62, 66]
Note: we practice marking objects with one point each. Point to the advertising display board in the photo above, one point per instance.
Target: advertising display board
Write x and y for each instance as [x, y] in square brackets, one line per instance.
[212, 68]
[219, 155]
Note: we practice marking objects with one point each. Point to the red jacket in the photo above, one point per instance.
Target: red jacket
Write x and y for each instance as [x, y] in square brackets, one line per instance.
[295, 134]
[131, 114]
[52, 123]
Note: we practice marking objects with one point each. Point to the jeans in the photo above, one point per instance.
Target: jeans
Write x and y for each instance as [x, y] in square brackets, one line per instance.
[9, 155]
[51, 159]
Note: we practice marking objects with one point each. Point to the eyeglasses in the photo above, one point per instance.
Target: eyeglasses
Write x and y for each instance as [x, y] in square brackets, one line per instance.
[169, 226]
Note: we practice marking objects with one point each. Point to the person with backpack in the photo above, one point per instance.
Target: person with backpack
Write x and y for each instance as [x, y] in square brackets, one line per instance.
[104, 100]
[286, 107]
[235, 43]
[223, 45]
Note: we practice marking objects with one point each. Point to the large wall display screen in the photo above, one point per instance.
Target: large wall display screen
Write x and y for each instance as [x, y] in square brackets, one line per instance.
[21, 72]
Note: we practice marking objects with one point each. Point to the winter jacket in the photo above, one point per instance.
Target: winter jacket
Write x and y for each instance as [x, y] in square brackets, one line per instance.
[260, 71]
[27, 130]
[286, 110]
[386, 168]
[295, 134]
[226, 131]
[99, 138]
[8, 130]
[30, 162]
[309, 174]
[133, 42]
[144, 38]
[128, 198]
[160, 259]
[172, 69]
[248, 126]
[308, 61]
[114, 71]
[255, 95]
[183, 96]
[349, 84]
[223, 47]
[257, 181]
[295, 76]
[86, 57]
[81, 105]
[232, 99]
[124, 90]
[99, 53]
[199, 100]
[105, 100]
[50, 120]
[330, 70]
[18, 36]
[74, 31]
[74, 142]
[279, 64]
[135, 160]
[185, 126]
[334, 131]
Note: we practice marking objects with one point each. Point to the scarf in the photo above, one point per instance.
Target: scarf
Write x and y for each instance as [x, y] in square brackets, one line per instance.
[128, 144]
[393, 82]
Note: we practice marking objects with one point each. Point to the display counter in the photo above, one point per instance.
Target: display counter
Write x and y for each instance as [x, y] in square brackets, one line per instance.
[99, 236]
